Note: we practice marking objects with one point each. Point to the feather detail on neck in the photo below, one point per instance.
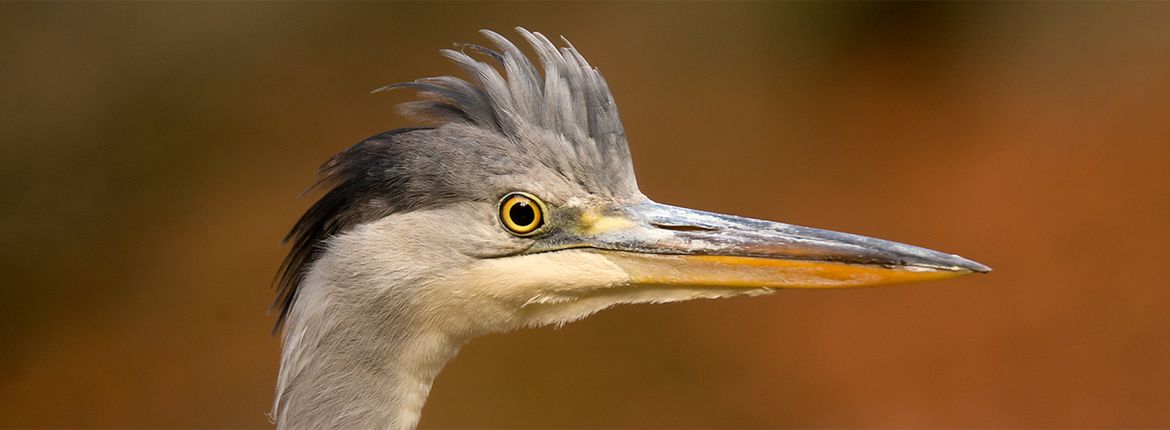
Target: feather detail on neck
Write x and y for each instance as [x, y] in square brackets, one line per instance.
[350, 360]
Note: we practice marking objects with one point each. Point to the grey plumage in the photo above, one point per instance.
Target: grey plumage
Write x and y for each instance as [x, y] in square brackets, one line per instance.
[559, 122]
[516, 206]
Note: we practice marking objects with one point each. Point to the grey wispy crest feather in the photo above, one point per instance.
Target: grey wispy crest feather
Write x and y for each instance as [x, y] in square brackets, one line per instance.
[570, 98]
[560, 115]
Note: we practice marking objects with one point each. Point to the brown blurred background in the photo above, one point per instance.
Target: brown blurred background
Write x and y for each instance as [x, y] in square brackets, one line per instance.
[153, 154]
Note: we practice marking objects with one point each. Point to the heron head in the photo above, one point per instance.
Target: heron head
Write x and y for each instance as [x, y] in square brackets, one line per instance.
[520, 207]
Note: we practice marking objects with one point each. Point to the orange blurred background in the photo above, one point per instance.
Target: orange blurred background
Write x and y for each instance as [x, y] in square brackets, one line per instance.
[153, 154]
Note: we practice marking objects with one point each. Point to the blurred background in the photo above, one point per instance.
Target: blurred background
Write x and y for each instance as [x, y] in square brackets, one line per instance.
[153, 154]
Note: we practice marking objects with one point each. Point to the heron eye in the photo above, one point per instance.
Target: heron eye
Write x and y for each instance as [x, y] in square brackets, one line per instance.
[521, 213]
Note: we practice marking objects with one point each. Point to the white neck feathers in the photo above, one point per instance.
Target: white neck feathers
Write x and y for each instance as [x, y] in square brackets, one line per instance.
[354, 358]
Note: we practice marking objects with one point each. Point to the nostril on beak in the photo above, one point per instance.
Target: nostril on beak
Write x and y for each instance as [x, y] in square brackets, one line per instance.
[682, 227]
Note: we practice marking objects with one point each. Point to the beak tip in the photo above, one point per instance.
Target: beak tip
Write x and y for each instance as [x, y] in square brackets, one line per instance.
[947, 263]
[971, 265]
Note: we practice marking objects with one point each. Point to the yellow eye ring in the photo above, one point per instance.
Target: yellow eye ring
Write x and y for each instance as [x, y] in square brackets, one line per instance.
[521, 213]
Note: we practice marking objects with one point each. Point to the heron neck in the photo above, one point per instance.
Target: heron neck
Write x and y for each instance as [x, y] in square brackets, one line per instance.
[348, 364]
[418, 363]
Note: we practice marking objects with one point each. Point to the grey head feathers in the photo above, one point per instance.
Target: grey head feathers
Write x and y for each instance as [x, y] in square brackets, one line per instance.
[491, 134]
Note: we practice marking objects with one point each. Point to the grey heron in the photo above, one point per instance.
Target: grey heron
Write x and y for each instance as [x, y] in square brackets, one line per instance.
[516, 207]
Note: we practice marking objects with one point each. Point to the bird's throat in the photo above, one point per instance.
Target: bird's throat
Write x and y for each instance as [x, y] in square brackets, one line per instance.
[345, 373]
[426, 355]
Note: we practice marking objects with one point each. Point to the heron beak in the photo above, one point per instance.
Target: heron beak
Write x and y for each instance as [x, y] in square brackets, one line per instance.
[663, 245]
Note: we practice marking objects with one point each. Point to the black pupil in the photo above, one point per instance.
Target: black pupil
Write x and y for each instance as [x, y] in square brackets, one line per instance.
[522, 214]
